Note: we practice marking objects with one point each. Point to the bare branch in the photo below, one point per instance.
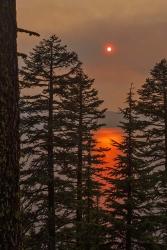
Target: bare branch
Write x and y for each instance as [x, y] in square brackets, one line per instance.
[22, 55]
[31, 33]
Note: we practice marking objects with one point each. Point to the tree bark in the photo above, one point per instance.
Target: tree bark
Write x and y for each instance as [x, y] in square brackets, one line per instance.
[9, 127]
[88, 194]
[51, 192]
[165, 120]
[129, 184]
[79, 175]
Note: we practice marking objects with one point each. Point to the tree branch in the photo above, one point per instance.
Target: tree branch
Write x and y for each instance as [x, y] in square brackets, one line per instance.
[31, 33]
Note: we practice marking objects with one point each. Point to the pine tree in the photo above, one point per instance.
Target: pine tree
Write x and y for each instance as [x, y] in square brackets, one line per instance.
[47, 64]
[81, 113]
[128, 195]
[152, 107]
[94, 213]
[9, 136]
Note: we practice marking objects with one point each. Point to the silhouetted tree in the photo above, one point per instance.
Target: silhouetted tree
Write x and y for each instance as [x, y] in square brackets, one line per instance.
[81, 114]
[94, 233]
[128, 198]
[152, 107]
[47, 64]
[9, 133]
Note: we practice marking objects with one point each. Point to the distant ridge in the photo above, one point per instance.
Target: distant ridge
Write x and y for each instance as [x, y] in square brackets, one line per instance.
[112, 119]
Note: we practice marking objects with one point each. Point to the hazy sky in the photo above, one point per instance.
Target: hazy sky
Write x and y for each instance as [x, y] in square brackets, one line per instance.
[137, 28]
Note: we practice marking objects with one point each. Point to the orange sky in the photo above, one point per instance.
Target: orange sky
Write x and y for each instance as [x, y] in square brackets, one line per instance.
[104, 137]
[136, 27]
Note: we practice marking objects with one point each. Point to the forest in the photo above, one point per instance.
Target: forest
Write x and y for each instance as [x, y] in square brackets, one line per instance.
[57, 192]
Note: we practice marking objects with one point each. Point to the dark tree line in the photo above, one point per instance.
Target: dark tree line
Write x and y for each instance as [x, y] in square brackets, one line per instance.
[61, 201]
[62, 164]
[59, 117]
[137, 195]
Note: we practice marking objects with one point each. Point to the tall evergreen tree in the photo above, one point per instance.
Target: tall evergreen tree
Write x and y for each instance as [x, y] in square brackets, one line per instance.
[129, 187]
[94, 213]
[47, 64]
[152, 107]
[81, 114]
[9, 136]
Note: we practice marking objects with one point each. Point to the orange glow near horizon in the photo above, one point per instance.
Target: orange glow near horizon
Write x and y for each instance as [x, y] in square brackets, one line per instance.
[104, 137]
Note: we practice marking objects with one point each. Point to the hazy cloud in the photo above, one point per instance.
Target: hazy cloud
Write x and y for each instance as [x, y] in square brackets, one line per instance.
[136, 27]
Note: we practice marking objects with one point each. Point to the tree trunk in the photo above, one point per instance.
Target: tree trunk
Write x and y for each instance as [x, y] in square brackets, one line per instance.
[9, 127]
[79, 177]
[129, 184]
[165, 121]
[51, 193]
[88, 194]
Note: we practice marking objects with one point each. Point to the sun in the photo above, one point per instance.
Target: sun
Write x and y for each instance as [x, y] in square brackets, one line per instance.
[109, 49]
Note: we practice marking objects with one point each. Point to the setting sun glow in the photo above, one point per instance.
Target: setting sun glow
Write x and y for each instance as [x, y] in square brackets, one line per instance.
[105, 137]
[109, 49]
